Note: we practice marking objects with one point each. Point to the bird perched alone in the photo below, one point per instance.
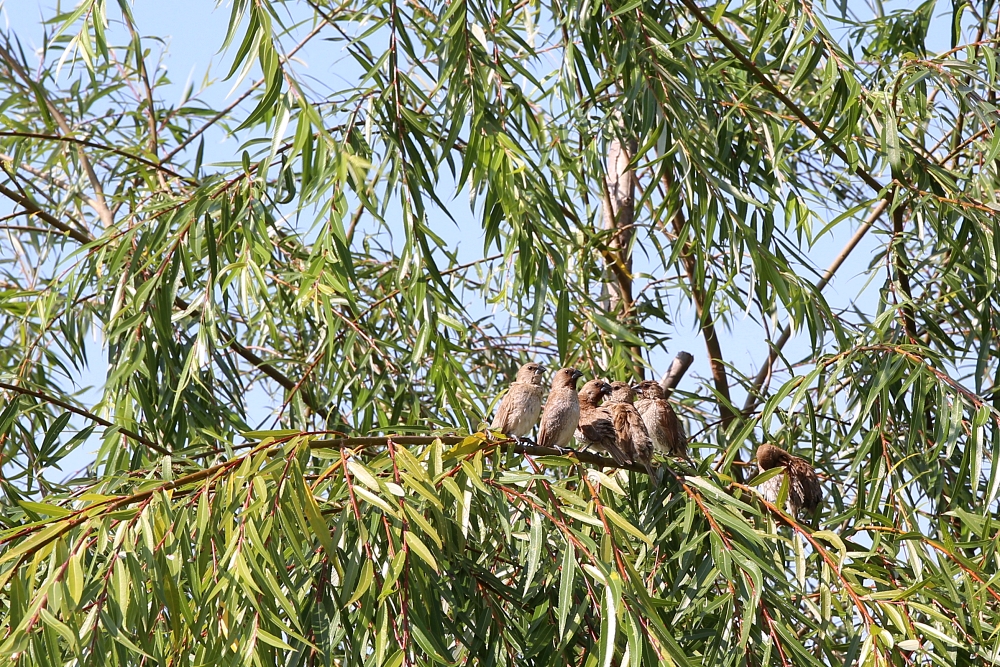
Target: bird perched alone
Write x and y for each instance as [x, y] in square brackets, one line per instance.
[633, 438]
[520, 407]
[804, 491]
[597, 429]
[562, 410]
[660, 419]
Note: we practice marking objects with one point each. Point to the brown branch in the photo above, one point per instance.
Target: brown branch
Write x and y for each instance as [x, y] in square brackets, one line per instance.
[712, 346]
[99, 146]
[677, 369]
[451, 440]
[619, 215]
[84, 413]
[31, 207]
[618, 191]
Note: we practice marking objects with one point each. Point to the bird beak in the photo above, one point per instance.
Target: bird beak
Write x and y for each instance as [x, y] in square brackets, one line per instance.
[577, 375]
[606, 389]
[541, 369]
[635, 387]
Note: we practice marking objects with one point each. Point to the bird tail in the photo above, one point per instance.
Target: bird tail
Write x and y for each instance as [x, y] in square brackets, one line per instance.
[618, 455]
[652, 473]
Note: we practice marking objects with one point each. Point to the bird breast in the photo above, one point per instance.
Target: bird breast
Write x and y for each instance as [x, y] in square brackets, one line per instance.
[522, 406]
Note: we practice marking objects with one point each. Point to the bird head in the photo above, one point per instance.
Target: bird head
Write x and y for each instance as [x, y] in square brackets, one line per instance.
[769, 456]
[594, 391]
[621, 392]
[530, 373]
[649, 389]
[566, 377]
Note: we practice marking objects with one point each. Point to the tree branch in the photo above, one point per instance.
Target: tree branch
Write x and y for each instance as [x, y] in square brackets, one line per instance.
[84, 413]
[31, 207]
[619, 218]
[619, 215]
[712, 346]
[677, 369]
[98, 203]
[902, 271]
[861, 172]
[507, 444]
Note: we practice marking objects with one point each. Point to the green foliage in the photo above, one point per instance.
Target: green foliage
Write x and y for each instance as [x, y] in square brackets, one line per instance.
[303, 279]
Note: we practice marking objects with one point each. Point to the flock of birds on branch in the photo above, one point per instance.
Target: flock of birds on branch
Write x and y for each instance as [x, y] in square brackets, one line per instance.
[628, 423]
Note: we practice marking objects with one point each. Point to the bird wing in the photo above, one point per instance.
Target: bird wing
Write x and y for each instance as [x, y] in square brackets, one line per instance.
[503, 413]
[675, 432]
[600, 430]
[812, 492]
[632, 435]
[623, 428]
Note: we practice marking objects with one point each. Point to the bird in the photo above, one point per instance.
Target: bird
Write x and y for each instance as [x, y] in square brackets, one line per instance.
[597, 429]
[633, 438]
[562, 410]
[522, 404]
[804, 491]
[660, 419]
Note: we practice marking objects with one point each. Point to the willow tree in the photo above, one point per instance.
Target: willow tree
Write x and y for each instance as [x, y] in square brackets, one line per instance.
[284, 462]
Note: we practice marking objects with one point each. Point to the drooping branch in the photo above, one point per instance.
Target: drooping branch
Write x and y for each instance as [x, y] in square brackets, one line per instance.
[84, 413]
[706, 320]
[902, 270]
[802, 116]
[98, 202]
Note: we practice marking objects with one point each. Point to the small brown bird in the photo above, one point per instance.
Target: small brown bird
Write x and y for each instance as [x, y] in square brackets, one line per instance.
[660, 419]
[520, 407]
[633, 438]
[804, 491]
[597, 428]
[562, 410]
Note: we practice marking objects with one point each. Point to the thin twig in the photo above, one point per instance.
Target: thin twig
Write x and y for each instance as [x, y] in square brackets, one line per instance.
[753, 396]
[99, 203]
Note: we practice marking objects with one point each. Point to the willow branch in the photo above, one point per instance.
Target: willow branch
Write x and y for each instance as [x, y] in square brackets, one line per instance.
[451, 440]
[86, 414]
[32, 208]
[733, 48]
[104, 147]
[902, 271]
[98, 202]
[707, 323]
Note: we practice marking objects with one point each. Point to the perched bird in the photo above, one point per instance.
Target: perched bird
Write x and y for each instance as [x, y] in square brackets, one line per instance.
[520, 407]
[562, 410]
[660, 419]
[804, 491]
[633, 438]
[597, 429]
